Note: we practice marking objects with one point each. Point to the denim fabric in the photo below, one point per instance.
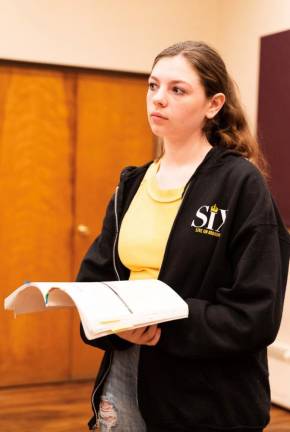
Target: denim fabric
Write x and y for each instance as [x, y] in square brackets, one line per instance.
[120, 390]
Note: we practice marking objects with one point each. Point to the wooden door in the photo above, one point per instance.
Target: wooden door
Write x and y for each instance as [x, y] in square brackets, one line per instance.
[112, 133]
[64, 136]
[36, 217]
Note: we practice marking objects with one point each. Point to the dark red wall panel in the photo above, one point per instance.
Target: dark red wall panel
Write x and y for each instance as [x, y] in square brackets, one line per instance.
[274, 115]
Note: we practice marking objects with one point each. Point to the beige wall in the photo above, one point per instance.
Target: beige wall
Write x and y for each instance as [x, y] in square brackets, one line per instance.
[126, 34]
[109, 34]
[242, 23]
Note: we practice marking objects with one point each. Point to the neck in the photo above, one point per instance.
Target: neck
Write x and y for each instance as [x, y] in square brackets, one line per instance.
[185, 152]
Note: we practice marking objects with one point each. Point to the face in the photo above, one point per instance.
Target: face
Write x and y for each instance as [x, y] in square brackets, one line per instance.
[176, 100]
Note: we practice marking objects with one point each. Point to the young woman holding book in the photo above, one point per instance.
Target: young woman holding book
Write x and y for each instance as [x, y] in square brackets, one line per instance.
[201, 219]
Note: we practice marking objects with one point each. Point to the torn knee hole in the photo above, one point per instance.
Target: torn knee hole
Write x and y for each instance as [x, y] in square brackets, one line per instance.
[107, 413]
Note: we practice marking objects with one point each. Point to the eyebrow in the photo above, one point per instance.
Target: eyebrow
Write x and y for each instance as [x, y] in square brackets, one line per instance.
[171, 82]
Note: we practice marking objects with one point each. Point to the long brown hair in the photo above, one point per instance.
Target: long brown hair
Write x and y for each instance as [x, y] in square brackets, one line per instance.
[229, 128]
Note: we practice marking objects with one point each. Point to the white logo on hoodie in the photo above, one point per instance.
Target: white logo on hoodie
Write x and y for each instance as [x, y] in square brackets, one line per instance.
[209, 220]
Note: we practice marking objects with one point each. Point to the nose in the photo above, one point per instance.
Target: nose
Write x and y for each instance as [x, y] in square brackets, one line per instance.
[159, 97]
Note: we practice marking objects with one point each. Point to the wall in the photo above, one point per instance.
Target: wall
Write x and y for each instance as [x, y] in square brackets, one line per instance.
[126, 34]
[107, 34]
[242, 24]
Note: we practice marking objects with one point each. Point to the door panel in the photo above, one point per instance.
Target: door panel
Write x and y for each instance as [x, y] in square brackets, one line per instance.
[112, 133]
[64, 138]
[36, 217]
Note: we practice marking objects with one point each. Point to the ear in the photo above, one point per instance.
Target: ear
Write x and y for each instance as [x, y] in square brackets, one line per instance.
[215, 104]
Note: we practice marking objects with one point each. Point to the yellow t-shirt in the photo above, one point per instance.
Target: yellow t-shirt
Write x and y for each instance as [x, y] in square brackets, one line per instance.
[146, 226]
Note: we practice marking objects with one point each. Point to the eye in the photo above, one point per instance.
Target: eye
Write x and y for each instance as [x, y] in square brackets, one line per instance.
[152, 85]
[178, 90]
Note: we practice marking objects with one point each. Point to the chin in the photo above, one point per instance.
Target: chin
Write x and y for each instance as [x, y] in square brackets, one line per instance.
[157, 130]
[158, 134]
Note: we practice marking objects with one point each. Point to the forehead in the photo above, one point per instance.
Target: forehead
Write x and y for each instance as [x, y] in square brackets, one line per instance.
[174, 69]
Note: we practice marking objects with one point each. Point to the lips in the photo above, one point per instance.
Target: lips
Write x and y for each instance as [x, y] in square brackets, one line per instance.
[158, 114]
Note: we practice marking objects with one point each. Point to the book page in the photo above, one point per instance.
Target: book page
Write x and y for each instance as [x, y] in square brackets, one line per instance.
[25, 299]
[148, 297]
[104, 307]
[149, 302]
[108, 307]
[96, 301]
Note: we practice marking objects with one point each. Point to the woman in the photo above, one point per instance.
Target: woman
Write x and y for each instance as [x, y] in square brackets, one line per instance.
[202, 220]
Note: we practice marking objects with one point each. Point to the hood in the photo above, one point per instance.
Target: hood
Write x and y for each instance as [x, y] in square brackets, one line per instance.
[215, 157]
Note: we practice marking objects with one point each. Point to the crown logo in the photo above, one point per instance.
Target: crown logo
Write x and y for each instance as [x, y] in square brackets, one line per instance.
[214, 208]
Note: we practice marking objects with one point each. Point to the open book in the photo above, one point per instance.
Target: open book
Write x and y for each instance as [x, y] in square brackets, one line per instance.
[104, 307]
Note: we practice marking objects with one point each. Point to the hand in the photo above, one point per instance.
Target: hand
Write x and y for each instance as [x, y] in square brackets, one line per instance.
[149, 335]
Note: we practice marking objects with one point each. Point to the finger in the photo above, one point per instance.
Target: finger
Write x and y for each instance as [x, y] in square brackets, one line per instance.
[129, 335]
[142, 334]
[150, 334]
[139, 335]
[155, 339]
[140, 331]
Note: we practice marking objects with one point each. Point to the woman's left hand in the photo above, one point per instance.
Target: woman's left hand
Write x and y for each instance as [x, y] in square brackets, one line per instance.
[149, 335]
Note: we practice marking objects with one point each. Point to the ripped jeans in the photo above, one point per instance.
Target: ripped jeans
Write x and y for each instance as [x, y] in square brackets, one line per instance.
[118, 410]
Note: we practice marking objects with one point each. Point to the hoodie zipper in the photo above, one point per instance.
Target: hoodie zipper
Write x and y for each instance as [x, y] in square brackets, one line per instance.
[118, 277]
[116, 271]
[95, 390]
[117, 232]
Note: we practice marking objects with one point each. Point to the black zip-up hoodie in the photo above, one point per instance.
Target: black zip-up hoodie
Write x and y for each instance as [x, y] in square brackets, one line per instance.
[227, 255]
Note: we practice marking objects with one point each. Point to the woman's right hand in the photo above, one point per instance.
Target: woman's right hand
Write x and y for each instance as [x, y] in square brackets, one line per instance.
[149, 335]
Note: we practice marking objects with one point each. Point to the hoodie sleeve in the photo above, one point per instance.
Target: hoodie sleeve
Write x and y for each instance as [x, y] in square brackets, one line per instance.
[244, 316]
[97, 266]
